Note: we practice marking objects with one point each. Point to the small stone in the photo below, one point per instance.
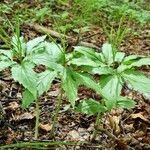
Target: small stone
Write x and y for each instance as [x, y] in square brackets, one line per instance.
[74, 134]
[91, 128]
[134, 141]
[45, 127]
[146, 147]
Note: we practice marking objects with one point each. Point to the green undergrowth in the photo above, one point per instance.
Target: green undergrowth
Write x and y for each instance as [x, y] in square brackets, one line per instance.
[68, 15]
[87, 12]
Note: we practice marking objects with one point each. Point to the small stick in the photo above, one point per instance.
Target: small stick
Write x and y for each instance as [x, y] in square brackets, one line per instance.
[120, 143]
[109, 134]
[53, 33]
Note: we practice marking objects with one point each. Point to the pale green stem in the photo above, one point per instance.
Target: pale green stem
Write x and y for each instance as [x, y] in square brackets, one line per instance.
[37, 112]
[39, 144]
[97, 122]
[55, 119]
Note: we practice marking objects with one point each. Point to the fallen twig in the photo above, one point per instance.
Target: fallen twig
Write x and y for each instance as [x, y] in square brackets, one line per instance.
[121, 143]
[109, 134]
[53, 33]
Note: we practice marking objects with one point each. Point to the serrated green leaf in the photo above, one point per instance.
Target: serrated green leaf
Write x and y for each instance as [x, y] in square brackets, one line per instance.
[5, 64]
[110, 102]
[119, 56]
[47, 60]
[55, 50]
[70, 87]
[84, 79]
[42, 58]
[102, 70]
[24, 74]
[84, 61]
[111, 87]
[125, 102]
[90, 107]
[134, 63]
[32, 44]
[137, 80]
[141, 62]
[130, 58]
[44, 81]
[111, 84]
[122, 68]
[88, 52]
[108, 53]
[6, 53]
[27, 98]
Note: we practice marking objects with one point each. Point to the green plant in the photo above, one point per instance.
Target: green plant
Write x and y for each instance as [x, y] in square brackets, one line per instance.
[57, 61]
[41, 14]
[18, 58]
[24, 57]
[5, 8]
[39, 145]
[116, 34]
[73, 70]
[114, 10]
[115, 69]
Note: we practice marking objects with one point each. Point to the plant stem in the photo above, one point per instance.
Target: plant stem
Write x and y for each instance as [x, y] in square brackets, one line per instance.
[97, 122]
[37, 111]
[55, 119]
[40, 144]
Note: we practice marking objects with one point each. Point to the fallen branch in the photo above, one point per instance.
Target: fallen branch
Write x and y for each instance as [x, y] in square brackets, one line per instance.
[55, 34]
[109, 134]
[121, 143]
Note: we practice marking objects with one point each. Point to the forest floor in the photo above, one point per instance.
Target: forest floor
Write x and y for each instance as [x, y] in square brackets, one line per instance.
[132, 126]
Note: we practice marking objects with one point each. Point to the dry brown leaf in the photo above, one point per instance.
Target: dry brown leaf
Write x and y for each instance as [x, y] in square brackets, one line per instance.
[45, 127]
[128, 127]
[3, 85]
[10, 136]
[114, 123]
[12, 106]
[26, 115]
[54, 93]
[139, 115]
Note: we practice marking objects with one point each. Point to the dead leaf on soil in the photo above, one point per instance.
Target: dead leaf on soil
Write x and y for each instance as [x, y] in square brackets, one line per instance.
[54, 93]
[12, 106]
[3, 85]
[27, 116]
[45, 127]
[139, 115]
[74, 135]
[128, 127]
[10, 136]
[114, 123]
